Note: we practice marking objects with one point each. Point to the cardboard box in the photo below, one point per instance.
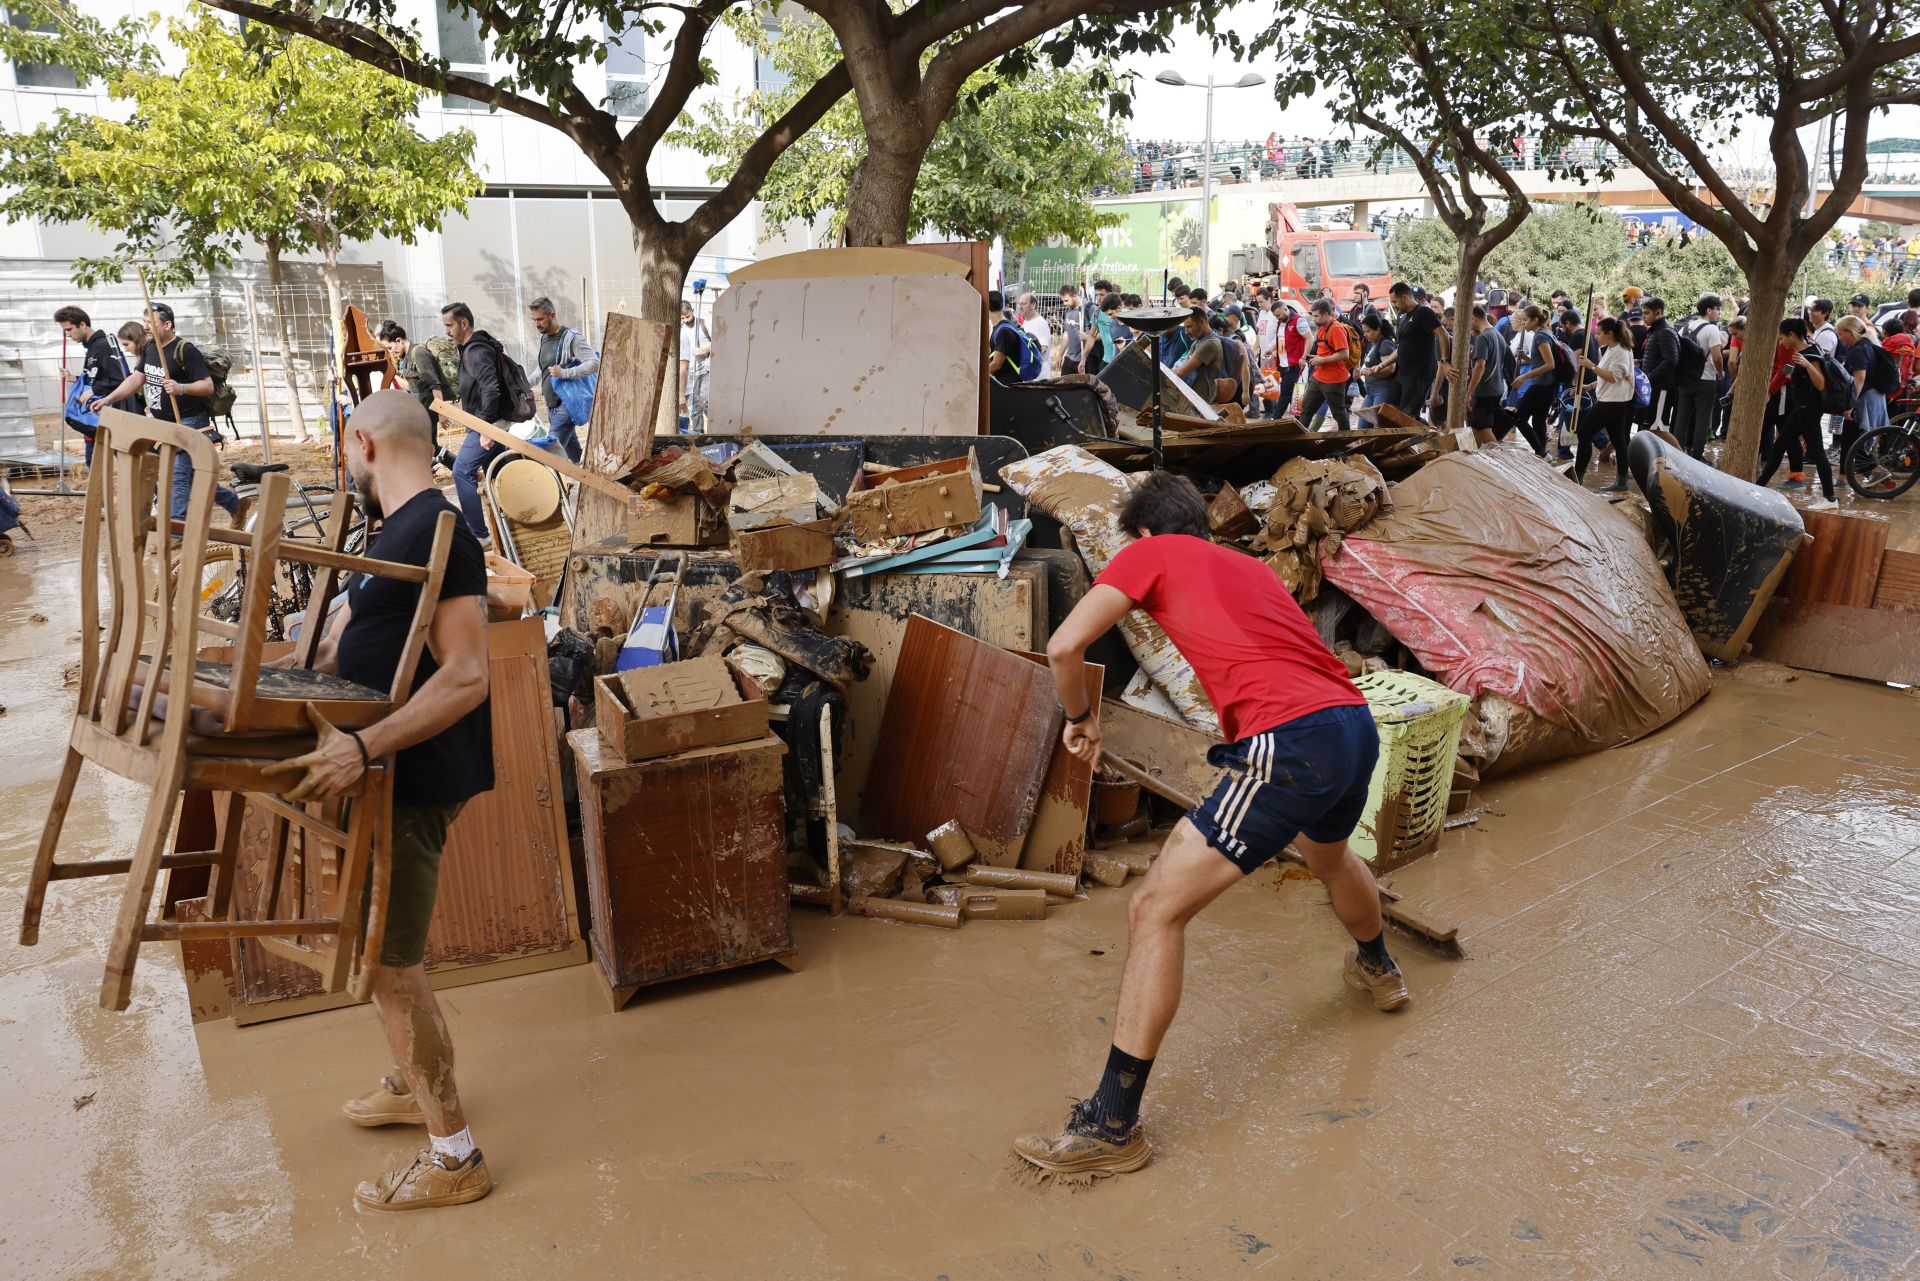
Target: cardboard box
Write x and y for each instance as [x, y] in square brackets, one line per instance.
[774, 500]
[684, 520]
[676, 707]
[915, 500]
[791, 547]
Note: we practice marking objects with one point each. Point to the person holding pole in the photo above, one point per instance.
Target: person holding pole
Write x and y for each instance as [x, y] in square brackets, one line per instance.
[175, 382]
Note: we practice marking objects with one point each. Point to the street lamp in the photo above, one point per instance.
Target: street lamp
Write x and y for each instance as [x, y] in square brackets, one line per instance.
[1248, 81]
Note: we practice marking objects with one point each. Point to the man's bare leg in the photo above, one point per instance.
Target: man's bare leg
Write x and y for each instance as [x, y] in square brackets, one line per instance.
[1356, 901]
[417, 1034]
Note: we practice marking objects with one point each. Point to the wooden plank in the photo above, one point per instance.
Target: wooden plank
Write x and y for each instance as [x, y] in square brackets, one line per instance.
[1899, 584]
[1057, 841]
[499, 436]
[1842, 563]
[637, 360]
[1172, 751]
[951, 696]
[1845, 640]
[1010, 613]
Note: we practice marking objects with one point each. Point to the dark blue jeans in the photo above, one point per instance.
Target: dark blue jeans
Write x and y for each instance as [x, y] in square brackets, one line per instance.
[183, 473]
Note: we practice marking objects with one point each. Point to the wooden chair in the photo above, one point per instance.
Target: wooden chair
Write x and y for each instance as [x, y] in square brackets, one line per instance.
[237, 718]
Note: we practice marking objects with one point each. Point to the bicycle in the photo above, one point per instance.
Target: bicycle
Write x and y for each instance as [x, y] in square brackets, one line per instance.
[1885, 462]
[223, 573]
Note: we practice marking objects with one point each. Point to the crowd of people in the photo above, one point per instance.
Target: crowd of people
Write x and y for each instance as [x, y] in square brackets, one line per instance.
[1893, 256]
[1166, 164]
[1574, 386]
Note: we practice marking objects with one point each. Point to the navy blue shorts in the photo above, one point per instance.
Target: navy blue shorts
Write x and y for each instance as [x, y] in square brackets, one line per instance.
[1308, 776]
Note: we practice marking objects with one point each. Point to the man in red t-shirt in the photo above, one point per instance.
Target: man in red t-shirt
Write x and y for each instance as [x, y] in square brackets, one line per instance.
[1300, 750]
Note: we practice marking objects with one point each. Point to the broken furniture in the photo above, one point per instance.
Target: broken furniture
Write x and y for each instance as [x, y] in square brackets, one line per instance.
[821, 342]
[1732, 542]
[150, 710]
[675, 707]
[902, 501]
[951, 696]
[1849, 606]
[686, 860]
[1156, 323]
[526, 508]
[1057, 840]
[1419, 724]
[361, 356]
[507, 901]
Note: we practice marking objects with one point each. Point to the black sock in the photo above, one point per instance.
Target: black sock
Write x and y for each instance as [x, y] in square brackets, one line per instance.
[1115, 1106]
[1374, 952]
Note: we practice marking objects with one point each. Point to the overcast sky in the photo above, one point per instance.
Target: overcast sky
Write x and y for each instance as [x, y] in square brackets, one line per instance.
[1168, 112]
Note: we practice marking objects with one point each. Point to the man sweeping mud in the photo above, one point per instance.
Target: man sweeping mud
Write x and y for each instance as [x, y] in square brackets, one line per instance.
[442, 743]
[1300, 750]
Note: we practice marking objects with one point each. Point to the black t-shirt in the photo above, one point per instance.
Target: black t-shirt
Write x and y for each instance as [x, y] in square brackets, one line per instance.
[184, 364]
[456, 763]
[102, 370]
[1007, 341]
[1418, 341]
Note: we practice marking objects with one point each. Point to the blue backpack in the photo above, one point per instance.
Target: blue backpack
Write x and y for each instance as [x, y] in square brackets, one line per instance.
[1032, 362]
[1642, 389]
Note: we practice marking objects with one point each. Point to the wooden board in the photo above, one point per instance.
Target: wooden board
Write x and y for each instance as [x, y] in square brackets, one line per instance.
[506, 900]
[1057, 841]
[686, 859]
[1843, 561]
[857, 260]
[1845, 640]
[1009, 612]
[1898, 586]
[637, 359]
[1167, 749]
[952, 697]
[879, 355]
[459, 417]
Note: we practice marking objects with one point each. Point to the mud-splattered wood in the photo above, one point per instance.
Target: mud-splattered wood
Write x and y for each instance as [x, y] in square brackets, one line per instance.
[1057, 841]
[1899, 583]
[1843, 562]
[506, 902]
[967, 734]
[686, 859]
[636, 362]
[1171, 751]
[1873, 644]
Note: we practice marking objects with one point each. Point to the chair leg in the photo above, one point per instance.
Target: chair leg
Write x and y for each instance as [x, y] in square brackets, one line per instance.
[136, 900]
[232, 819]
[49, 842]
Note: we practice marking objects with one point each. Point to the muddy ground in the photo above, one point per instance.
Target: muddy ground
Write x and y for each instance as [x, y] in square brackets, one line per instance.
[1683, 1044]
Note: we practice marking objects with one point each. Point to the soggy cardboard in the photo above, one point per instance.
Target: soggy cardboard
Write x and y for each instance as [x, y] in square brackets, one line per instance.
[676, 707]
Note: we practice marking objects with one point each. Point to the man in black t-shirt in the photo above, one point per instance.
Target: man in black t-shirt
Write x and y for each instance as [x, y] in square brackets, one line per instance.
[174, 379]
[441, 740]
[1005, 346]
[1416, 350]
[100, 367]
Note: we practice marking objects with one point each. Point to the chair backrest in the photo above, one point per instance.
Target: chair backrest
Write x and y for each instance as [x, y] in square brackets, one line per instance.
[151, 632]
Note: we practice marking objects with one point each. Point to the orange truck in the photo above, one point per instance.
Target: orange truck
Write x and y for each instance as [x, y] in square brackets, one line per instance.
[1312, 261]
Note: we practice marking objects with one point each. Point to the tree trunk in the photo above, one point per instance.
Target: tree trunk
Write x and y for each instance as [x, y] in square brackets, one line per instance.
[1473, 251]
[880, 197]
[284, 336]
[1766, 306]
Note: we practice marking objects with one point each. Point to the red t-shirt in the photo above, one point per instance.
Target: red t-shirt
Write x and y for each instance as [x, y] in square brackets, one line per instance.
[1257, 656]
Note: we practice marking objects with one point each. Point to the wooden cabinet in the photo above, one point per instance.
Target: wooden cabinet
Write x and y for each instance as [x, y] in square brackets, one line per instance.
[686, 860]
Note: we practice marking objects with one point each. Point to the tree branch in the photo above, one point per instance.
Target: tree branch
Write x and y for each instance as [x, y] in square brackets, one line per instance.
[724, 205]
[682, 78]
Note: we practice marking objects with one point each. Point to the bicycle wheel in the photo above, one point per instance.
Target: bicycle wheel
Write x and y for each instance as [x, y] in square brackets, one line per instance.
[1885, 462]
[223, 575]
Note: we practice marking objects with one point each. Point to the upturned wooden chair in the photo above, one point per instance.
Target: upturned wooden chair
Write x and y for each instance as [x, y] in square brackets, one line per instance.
[153, 711]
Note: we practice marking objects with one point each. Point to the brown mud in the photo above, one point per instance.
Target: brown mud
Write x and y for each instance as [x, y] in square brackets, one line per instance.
[1693, 974]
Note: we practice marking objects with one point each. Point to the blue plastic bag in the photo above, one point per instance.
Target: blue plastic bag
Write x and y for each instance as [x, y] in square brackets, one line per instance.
[577, 395]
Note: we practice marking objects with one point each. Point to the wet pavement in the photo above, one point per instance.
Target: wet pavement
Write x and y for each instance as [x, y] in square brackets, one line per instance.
[1690, 1001]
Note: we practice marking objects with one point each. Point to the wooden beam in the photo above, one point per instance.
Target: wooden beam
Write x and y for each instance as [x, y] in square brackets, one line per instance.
[559, 462]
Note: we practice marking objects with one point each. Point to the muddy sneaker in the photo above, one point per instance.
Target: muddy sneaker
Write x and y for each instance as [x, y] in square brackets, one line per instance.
[431, 1180]
[388, 1103]
[1080, 1148]
[1388, 987]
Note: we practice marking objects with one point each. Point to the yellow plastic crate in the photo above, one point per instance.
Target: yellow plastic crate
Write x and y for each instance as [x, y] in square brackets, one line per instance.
[1419, 722]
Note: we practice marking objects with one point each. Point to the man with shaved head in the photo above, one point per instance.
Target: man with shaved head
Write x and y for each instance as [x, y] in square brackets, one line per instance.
[441, 740]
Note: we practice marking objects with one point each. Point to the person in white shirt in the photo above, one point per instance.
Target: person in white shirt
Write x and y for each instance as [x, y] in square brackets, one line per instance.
[1697, 398]
[1612, 400]
[1035, 324]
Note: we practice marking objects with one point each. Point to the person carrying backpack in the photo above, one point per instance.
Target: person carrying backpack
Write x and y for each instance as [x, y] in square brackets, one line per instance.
[427, 369]
[1814, 384]
[1330, 364]
[1012, 354]
[493, 387]
[1697, 375]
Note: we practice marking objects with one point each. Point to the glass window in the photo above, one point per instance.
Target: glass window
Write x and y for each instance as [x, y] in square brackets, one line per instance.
[626, 65]
[461, 45]
[768, 78]
[1348, 259]
[40, 75]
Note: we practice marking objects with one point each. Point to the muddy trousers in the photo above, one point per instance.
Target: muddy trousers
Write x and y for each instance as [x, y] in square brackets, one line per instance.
[1615, 418]
[1802, 425]
[1317, 394]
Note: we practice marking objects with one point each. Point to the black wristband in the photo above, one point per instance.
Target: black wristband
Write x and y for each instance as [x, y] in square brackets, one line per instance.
[365, 764]
[1076, 720]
